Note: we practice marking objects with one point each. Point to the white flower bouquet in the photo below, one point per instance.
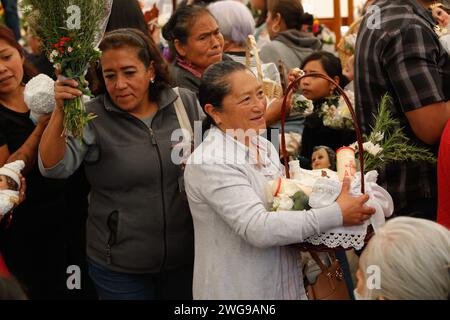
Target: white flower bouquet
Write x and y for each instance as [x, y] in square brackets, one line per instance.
[388, 143]
[70, 31]
[301, 105]
[335, 113]
[288, 194]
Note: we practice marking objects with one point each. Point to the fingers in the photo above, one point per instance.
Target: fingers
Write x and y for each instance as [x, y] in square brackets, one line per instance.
[63, 81]
[346, 185]
[364, 198]
[66, 89]
[23, 188]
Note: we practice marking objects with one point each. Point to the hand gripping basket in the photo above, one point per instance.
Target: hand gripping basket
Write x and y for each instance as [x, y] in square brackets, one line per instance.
[306, 246]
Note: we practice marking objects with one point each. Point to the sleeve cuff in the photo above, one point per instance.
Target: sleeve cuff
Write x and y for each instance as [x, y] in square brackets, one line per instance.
[55, 172]
[329, 217]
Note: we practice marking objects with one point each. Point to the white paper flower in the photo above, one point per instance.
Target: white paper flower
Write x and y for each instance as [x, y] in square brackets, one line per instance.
[288, 187]
[350, 40]
[378, 136]
[283, 202]
[53, 55]
[302, 105]
[371, 148]
[354, 145]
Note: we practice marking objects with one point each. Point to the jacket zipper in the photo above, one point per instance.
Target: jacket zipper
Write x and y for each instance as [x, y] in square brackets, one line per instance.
[162, 197]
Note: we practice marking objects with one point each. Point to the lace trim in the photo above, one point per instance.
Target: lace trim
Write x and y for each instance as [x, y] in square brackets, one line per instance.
[333, 240]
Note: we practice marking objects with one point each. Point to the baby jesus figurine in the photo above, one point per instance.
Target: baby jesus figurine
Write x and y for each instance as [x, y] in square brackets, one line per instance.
[442, 15]
[10, 175]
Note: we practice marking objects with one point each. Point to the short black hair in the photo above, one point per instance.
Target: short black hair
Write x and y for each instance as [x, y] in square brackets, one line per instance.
[180, 23]
[330, 63]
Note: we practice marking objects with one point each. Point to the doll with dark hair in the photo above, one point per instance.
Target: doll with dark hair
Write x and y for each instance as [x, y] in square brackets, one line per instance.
[441, 13]
[323, 157]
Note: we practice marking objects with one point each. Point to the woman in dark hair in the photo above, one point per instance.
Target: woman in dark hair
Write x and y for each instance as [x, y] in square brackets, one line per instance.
[289, 44]
[241, 247]
[196, 42]
[139, 231]
[320, 91]
[126, 14]
[35, 245]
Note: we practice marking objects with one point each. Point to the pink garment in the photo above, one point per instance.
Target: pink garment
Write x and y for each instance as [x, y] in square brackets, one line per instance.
[443, 214]
[189, 67]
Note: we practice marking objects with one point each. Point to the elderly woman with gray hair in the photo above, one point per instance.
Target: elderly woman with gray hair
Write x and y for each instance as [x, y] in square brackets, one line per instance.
[408, 259]
[236, 24]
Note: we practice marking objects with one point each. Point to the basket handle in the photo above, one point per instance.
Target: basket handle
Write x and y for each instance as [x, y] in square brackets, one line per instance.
[350, 108]
[251, 46]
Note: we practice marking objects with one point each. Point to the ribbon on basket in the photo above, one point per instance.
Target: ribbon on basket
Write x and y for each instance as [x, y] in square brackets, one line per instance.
[350, 108]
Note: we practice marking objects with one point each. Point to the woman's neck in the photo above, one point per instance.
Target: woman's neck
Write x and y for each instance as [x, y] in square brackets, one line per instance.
[190, 67]
[145, 111]
[14, 100]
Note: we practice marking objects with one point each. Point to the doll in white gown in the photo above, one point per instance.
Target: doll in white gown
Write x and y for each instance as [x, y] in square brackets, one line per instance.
[10, 175]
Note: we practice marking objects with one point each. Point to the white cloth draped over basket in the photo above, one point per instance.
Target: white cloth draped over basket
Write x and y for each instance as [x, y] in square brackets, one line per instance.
[326, 190]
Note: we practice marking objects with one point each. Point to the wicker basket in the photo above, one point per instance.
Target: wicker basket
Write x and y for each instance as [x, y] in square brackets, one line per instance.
[271, 88]
[307, 246]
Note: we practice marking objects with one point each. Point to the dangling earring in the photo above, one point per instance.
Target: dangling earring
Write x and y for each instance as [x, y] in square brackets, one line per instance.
[275, 29]
[152, 80]
[331, 91]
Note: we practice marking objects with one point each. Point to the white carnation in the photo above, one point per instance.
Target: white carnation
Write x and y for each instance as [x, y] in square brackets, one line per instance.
[371, 148]
[378, 136]
[283, 202]
[288, 187]
[351, 40]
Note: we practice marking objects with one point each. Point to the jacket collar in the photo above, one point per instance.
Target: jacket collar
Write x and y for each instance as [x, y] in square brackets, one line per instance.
[421, 11]
[225, 147]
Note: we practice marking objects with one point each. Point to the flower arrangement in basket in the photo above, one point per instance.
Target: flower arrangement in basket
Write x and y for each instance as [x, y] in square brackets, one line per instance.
[305, 189]
[335, 112]
[70, 31]
[272, 87]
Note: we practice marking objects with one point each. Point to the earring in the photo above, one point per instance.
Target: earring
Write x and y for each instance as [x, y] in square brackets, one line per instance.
[152, 80]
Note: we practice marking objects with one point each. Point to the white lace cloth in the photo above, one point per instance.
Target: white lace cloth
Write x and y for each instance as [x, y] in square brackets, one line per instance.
[326, 190]
[7, 200]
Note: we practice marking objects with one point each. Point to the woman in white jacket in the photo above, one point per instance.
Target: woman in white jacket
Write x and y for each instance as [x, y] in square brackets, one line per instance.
[240, 246]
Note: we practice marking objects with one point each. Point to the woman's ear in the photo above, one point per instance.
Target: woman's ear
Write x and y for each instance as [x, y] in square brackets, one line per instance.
[337, 80]
[180, 48]
[277, 19]
[151, 71]
[213, 113]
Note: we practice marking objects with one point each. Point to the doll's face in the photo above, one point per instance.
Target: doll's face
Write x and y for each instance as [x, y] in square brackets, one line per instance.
[441, 16]
[3, 183]
[320, 160]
